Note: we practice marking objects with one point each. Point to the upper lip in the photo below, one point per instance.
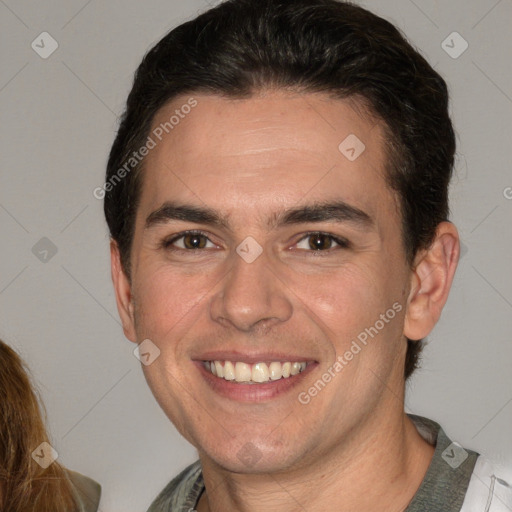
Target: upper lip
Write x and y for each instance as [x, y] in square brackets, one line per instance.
[251, 357]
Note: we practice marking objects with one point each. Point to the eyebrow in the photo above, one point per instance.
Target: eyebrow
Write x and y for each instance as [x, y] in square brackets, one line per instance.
[332, 211]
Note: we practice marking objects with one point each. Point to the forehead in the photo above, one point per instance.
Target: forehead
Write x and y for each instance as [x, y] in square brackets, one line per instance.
[257, 155]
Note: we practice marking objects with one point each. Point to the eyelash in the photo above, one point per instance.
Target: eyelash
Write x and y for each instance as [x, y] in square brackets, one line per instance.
[167, 243]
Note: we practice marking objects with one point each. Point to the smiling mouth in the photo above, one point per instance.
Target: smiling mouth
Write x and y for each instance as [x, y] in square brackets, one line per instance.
[258, 373]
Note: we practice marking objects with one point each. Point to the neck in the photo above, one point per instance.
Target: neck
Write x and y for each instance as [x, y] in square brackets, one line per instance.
[379, 468]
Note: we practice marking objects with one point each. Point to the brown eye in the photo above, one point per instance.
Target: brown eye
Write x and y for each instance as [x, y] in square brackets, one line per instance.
[188, 241]
[194, 241]
[321, 242]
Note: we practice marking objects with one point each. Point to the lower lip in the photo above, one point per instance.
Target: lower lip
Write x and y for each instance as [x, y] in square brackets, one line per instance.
[259, 392]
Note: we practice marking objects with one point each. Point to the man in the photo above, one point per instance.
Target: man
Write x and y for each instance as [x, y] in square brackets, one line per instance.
[277, 201]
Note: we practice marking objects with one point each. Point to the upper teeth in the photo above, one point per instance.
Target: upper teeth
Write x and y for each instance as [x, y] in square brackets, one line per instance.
[259, 372]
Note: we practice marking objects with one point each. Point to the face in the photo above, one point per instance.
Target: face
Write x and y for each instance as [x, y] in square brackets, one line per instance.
[266, 273]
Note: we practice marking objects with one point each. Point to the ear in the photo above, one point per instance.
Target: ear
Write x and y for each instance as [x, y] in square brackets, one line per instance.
[431, 281]
[122, 288]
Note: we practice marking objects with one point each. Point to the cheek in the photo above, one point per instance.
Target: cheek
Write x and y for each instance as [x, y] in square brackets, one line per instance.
[347, 306]
[167, 303]
[344, 300]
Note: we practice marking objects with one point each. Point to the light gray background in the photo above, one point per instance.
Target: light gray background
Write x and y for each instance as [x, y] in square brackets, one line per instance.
[59, 118]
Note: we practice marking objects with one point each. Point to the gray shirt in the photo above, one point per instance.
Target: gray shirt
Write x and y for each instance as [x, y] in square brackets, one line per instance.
[443, 487]
[86, 491]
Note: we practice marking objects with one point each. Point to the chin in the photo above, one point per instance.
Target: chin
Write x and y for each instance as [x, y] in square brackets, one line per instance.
[251, 457]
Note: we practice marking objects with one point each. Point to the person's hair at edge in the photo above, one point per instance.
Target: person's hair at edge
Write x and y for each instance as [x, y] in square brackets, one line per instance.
[242, 47]
[24, 485]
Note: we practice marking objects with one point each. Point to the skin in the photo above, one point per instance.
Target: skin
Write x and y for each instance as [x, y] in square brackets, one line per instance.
[351, 447]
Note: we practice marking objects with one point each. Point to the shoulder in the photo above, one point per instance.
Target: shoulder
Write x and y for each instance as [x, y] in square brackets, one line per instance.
[87, 491]
[488, 491]
[446, 481]
[181, 491]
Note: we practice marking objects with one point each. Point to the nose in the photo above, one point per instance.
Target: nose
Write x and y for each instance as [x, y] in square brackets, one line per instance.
[252, 296]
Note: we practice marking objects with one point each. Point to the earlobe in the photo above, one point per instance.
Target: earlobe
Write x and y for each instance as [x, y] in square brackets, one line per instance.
[122, 288]
[431, 281]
